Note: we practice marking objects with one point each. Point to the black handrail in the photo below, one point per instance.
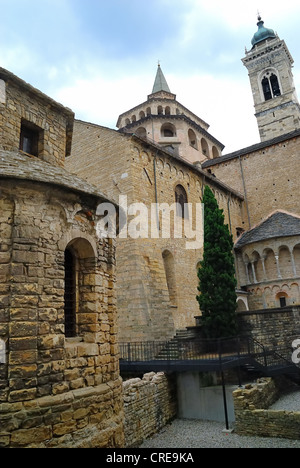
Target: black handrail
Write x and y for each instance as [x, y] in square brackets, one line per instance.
[223, 350]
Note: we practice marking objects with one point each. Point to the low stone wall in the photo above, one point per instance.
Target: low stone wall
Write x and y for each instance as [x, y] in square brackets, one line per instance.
[254, 418]
[149, 404]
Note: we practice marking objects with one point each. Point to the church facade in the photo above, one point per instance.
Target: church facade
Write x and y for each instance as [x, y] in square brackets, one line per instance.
[68, 295]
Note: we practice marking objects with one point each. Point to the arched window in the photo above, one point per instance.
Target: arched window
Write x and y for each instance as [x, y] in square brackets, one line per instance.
[70, 293]
[80, 279]
[282, 299]
[160, 110]
[168, 131]
[270, 86]
[215, 152]
[193, 139]
[141, 132]
[181, 200]
[169, 266]
[275, 85]
[168, 111]
[266, 89]
[127, 122]
[204, 147]
[142, 115]
[133, 118]
[148, 110]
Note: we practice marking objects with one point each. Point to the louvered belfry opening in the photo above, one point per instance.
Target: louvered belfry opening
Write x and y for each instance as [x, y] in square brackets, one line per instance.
[70, 294]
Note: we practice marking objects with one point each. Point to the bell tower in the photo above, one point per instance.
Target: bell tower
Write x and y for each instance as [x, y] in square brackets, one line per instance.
[269, 64]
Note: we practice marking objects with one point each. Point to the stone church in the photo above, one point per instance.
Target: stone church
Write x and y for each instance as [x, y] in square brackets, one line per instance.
[68, 296]
[163, 151]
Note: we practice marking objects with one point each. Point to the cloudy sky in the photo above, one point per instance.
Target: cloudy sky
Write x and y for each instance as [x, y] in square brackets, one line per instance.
[99, 57]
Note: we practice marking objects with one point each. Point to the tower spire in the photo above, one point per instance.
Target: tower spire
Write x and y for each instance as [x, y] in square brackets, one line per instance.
[160, 83]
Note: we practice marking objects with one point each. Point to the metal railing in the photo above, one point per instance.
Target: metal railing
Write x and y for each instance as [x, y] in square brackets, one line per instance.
[241, 348]
[198, 349]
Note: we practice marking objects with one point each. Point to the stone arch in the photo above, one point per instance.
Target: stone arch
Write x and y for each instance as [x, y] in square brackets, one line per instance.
[215, 152]
[80, 279]
[181, 199]
[148, 111]
[296, 253]
[192, 139]
[285, 262]
[204, 147]
[258, 266]
[168, 130]
[169, 266]
[282, 299]
[168, 110]
[270, 264]
[141, 132]
[133, 118]
[242, 304]
[142, 115]
[270, 85]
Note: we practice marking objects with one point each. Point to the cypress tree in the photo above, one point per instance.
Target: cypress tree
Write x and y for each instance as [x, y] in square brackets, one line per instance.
[217, 282]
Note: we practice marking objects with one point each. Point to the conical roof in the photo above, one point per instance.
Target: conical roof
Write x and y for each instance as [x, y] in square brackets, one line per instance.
[160, 83]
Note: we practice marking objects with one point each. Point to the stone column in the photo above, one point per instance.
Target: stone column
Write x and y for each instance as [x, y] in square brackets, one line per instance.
[247, 273]
[264, 267]
[277, 265]
[293, 264]
[253, 271]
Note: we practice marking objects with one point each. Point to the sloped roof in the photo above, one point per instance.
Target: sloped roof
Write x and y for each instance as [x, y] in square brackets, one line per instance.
[15, 165]
[278, 224]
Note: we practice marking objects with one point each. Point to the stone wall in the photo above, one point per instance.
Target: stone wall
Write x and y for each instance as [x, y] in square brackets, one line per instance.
[149, 403]
[56, 390]
[21, 104]
[82, 418]
[273, 328]
[253, 418]
[269, 176]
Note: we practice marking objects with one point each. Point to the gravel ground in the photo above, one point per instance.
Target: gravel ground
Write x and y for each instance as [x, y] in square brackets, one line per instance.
[288, 402]
[183, 434]
[204, 434]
